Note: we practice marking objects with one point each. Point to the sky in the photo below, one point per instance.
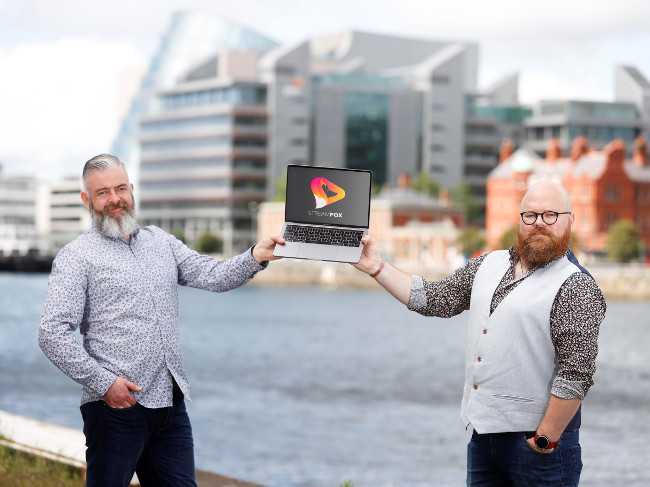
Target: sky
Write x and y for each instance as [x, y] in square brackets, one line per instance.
[60, 60]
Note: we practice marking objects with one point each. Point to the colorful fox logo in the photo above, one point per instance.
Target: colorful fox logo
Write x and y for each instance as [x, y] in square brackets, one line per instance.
[326, 192]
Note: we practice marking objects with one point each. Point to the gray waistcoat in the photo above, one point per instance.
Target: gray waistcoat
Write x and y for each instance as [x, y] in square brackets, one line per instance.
[508, 389]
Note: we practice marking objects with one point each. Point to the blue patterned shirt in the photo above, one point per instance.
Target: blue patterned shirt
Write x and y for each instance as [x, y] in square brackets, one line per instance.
[123, 297]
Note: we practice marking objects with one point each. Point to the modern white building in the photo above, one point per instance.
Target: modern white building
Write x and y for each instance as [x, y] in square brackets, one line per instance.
[18, 235]
[61, 215]
[203, 154]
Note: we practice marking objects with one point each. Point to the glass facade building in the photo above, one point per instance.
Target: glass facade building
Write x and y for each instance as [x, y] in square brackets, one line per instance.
[367, 119]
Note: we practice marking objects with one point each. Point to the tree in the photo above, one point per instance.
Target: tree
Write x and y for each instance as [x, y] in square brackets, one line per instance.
[623, 242]
[424, 183]
[463, 195]
[209, 243]
[509, 237]
[471, 240]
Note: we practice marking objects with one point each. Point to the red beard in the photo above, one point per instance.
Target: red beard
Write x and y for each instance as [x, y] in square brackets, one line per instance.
[538, 251]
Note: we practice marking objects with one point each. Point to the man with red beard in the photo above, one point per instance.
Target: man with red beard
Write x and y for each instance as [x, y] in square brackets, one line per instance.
[534, 316]
[117, 283]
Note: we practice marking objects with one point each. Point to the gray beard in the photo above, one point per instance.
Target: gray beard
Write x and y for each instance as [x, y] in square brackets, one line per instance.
[124, 226]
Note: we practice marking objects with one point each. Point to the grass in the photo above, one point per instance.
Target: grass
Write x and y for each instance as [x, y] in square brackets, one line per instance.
[20, 469]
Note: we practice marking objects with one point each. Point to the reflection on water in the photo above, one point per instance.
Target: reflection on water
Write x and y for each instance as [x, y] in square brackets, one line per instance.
[312, 387]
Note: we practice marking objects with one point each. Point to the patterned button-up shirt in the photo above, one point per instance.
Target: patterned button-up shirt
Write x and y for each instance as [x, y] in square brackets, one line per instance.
[123, 297]
[576, 314]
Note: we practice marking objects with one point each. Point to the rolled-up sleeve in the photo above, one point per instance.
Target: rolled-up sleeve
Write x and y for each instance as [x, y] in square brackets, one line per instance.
[445, 298]
[577, 313]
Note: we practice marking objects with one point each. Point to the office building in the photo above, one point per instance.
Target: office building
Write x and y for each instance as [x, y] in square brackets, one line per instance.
[203, 153]
[61, 215]
[492, 116]
[213, 145]
[18, 235]
[600, 122]
[191, 38]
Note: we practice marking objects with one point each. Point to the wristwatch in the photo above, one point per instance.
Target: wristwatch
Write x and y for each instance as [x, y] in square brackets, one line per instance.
[543, 443]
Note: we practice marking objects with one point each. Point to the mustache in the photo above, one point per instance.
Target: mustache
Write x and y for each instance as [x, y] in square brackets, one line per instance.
[121, 204]
[541, 231]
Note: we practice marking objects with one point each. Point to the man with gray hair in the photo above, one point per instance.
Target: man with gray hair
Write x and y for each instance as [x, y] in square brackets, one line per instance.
[534, 316]
[117, 284]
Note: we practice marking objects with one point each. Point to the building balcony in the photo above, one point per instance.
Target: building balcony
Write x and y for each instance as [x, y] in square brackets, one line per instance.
[249, 173]
[249, 194]
[169, 212]
[249, 152]
[486, 162]
[172, 194]
[166, 155]
[479, 140]
[184, 174]
[187, 133]
[250, 111]
[257, 131]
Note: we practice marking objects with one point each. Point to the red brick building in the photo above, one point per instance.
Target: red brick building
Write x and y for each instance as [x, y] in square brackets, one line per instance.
[603, 185]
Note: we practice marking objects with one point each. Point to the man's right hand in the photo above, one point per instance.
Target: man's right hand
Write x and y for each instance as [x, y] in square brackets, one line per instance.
[370, 257]
[119, 394]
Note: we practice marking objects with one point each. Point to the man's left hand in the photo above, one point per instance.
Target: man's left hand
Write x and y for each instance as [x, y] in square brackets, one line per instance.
[263, 251]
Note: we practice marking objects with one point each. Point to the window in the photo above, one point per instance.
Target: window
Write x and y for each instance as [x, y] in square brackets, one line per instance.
[610, 219]
[439, 79]
[643, 195]
[613, 194]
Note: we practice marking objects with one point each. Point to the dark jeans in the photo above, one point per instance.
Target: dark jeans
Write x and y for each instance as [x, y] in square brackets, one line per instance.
[506, 460]
[157, 444]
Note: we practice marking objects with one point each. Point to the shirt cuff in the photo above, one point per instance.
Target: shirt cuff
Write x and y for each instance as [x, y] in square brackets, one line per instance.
[418, 297]
[261, 266]
[568, 389]
[102, 381]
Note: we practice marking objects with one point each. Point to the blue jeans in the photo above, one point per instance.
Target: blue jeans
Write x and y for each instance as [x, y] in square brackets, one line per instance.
[155, 443]
[506, 460]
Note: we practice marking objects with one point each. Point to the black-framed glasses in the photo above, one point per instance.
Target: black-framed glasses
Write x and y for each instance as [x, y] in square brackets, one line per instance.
[548, 217]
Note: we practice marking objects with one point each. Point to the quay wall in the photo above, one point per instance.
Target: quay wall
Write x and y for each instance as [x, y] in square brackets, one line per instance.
[616, 282]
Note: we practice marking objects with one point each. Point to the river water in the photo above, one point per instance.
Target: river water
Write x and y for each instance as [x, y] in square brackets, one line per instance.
[311, 387]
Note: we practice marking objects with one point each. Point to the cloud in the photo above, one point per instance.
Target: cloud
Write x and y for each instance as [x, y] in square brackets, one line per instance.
[58, 92]
[59, 101]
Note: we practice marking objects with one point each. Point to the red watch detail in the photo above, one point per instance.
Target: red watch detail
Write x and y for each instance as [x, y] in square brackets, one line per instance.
[549, 446]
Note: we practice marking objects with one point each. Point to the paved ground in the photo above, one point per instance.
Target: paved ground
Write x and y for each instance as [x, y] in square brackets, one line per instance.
[68, 446]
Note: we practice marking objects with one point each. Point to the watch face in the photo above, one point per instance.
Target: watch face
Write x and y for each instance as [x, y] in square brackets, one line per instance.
[542, 442]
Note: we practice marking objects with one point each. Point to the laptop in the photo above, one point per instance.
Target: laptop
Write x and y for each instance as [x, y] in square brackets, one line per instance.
[326, 214]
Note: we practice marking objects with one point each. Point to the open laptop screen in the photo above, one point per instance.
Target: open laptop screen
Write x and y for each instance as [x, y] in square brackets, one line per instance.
[328, 196]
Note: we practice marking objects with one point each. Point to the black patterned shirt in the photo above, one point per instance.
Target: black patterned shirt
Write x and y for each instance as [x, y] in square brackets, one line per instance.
[577, 311]
[123, 298]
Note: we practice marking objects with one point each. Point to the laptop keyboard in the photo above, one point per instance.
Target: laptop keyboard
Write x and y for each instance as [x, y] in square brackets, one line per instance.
[320, 235]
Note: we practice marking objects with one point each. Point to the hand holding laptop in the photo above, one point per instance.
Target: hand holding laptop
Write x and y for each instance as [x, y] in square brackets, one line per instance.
[263, 251]
[370, 260]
